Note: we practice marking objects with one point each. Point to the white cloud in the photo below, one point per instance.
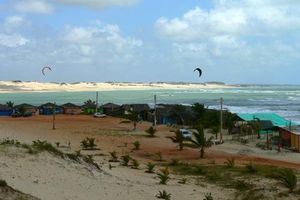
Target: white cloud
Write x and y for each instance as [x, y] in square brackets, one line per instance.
[34, 6]
[13, 22]
[12, 40]
[98, 3]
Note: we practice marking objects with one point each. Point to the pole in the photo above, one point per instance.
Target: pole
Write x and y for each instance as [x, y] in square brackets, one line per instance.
[96, 102]
[54, 112]
[154, 118]
[221, 120]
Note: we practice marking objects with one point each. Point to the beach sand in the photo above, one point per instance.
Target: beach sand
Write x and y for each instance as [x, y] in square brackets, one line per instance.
[49, 177]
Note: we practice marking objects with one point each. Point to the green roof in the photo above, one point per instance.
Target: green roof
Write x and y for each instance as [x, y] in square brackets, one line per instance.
[276, 119]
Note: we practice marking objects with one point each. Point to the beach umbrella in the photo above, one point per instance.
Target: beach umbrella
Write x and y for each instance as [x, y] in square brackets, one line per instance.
[44, 68]
[199, 71]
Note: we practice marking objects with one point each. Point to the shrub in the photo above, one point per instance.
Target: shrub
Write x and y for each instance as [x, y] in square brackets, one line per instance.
[182, 181]
[208, 197]
[174, 162]
[135, 164]
[57, 144]
[125, 160]
[90, 160]
[159, 156]
[3, 183]
[150, 167]
[46, 146]
[230, 163]
[287, 178]
[250, 168]
[163, 195]
[136, 145]
[114, 157]
[164, 176]
[88, 143]
[151, 131]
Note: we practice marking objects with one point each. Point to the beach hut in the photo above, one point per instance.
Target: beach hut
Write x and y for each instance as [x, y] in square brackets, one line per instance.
[112, 109]
[141, 109]
[47, 109]
[71, 109]
[5, 110]
[290, 137]
[27, 108]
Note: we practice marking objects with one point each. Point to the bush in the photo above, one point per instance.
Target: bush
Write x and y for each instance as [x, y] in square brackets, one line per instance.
[174, 162]
[250, 168]
[136, 145]
[164, 176]
[46, 146]
[135, 164]
[208, 197]
[125, 160]
[150, 167]
[287, 178]
[88, 143]
[151, 131]
[230, 163]
[114, 157]
[3, 183]
[163, 195]
[159, 156]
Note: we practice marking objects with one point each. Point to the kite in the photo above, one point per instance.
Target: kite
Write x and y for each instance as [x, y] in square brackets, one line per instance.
[199, 70]
[44, 68]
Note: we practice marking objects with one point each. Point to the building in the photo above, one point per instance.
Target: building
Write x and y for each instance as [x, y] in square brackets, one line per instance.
[141, 109]
[5, 110]
[290, 138]
[112, 109]
[71, 109]
[47, 109]
[27, 108]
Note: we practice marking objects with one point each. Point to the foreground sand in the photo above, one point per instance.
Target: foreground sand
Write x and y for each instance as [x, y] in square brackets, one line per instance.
[49, 177]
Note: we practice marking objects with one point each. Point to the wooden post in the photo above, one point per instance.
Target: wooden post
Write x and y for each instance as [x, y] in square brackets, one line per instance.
[221, 120]
[53, 114]
[154, 118]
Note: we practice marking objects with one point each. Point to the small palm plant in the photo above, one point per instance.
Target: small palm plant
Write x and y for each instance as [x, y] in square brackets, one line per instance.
[136, 145]
[88, 143]
[151, 131]
[164, 176]
[125, 160]
[163, 195]
[230, 163]
[200, 140]
[159, 156]
[178, 138]
[287, 178]
[208, 197]
[114, 157]
[150, 167]
[135, 164]
[250, 168]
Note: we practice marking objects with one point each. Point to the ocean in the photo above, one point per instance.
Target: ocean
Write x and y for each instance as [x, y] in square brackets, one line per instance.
[281, 99]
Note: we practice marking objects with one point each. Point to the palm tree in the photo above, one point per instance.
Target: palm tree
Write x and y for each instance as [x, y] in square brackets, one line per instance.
[10, 104]
[199, 111]
[200, 140]
[178, 138]
[90, 104]
[134, 118]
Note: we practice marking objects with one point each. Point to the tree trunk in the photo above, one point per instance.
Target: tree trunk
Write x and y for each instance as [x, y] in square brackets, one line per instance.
[134, 126]
[180, 146]
[202, 152]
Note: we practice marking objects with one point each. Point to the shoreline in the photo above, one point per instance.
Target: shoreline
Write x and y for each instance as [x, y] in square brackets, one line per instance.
[27, 87]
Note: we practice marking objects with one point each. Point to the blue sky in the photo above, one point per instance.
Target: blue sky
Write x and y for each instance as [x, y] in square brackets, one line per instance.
[233, 41]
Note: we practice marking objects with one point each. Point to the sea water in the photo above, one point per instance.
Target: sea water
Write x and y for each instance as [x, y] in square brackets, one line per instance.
[281, 99]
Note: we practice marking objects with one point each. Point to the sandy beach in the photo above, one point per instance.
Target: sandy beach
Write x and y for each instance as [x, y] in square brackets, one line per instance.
[30, 86]
[49, 177]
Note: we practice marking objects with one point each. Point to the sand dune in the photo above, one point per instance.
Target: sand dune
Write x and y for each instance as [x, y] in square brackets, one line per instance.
[19, 86]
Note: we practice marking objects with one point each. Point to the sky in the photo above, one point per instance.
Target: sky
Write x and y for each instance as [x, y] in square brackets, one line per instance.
[232, 41]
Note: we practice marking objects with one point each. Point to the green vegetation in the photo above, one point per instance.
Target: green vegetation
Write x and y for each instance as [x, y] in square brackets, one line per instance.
[250, 168]
[114, 157]
[150, 167]
[159, 156]
[151, 131]
[230, 163]
[174, 162]
[88, 144]
[200, 140]
[136, 145]
[135, 164]
[178, 138]
[164, 176]
[208, 197]
[125, 160]
[163, 195]
[3, 183]
[287, 178]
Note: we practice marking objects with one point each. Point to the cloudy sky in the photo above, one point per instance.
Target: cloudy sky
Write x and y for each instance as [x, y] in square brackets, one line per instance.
[233, 41]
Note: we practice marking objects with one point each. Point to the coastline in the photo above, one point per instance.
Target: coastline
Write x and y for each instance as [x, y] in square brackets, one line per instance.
[19, 86]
